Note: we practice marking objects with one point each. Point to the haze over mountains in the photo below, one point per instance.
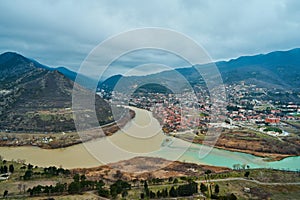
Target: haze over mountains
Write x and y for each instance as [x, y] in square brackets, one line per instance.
[279, 69]
[34, 97]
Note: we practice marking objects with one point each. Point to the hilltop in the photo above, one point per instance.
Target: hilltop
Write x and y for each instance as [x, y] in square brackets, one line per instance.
[36, 98]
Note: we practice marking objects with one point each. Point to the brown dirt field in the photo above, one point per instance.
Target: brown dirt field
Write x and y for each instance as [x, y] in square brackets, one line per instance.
[143, 168]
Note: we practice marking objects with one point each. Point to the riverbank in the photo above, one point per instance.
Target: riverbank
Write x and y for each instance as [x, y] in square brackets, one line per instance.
[269, 157]
[63, 139]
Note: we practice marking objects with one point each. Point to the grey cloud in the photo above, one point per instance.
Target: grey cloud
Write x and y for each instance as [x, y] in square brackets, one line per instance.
[64, 32]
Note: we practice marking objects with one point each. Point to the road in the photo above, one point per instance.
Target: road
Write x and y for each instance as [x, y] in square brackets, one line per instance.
[229, 179]
[250, 180]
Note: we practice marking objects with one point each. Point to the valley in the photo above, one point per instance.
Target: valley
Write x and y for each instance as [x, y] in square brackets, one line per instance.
[256, 129]
[149, 100]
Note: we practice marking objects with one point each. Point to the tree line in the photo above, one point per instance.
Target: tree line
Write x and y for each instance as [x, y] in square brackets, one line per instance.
[48, 172]
[79, 185]
[180, 191]
[4, 169]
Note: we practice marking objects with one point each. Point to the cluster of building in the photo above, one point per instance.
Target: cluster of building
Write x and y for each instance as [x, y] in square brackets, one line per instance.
[20, 140]
[194, 110]
[177, 118]
[250, 103]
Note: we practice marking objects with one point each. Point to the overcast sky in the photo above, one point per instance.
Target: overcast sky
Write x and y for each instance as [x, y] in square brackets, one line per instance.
[62, 33]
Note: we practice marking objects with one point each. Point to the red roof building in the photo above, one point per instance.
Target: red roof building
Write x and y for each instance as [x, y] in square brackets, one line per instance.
[272, 120]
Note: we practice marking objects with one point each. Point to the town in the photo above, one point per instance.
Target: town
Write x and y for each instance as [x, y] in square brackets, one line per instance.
[268, 111]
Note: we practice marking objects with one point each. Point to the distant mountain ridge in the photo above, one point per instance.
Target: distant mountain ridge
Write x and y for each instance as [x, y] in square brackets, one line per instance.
[279, 69]
[34, 97]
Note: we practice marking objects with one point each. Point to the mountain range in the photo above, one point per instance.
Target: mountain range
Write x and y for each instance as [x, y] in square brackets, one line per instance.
[279, 69]
[34, 97]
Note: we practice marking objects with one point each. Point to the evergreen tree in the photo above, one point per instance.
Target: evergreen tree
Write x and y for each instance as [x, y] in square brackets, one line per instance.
[11, 168]
[217, 189]
[152, 195]
[5, 193]
[145, 185]
[187, 189]
[165, 193]
[82, 178]
[175, 181]
[30, 166]
[103, 193]
[74, 188]
[203, 188]
[5, 169]
[146, 189]
[27, 175]
[173, 192]
[76, 178]
[158, 194]
[247, 173]
[124, 193]
[119, 187]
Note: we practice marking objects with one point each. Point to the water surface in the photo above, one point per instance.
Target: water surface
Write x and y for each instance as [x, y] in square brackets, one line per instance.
[140, 137]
